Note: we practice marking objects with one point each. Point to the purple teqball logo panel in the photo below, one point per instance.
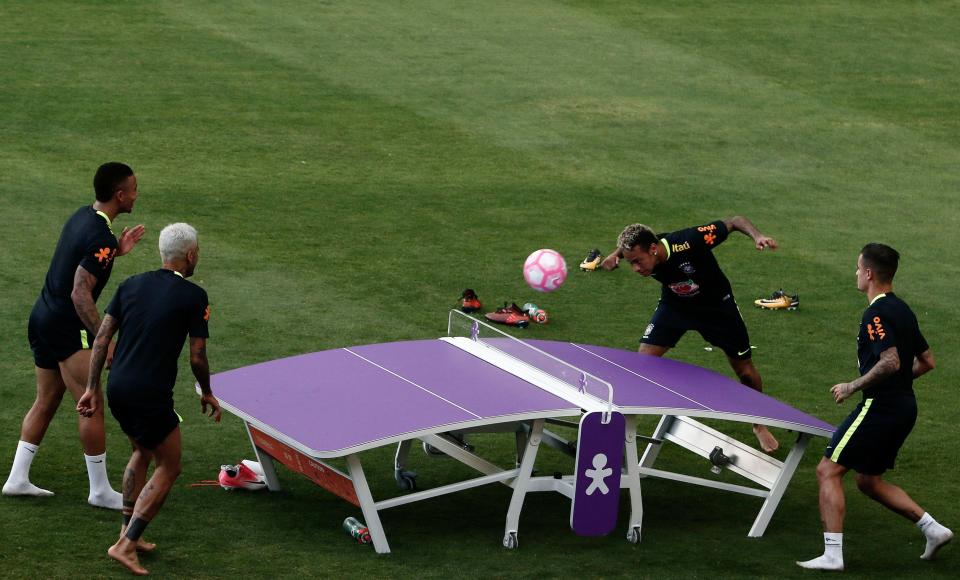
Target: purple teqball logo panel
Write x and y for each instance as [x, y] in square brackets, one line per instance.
[596, 498]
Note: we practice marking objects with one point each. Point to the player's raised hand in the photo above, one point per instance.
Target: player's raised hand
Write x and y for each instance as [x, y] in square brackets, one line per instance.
[214, 407]
[129, 238]
[841, 392]
[88, 403]
[763, 241]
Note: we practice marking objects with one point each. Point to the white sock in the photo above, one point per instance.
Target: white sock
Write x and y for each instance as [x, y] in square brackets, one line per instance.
[925, 522]
[97, 472]
[833, 544]
[18, 483]
[832, 558]
[937, 535]
[22, 461]
[101, 494]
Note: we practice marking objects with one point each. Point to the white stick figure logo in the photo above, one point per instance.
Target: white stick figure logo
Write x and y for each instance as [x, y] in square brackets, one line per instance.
[599, 472]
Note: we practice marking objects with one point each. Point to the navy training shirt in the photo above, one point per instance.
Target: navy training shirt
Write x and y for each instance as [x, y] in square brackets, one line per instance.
[691, 275]
[156, 311]
[86, 240]
[889, 322]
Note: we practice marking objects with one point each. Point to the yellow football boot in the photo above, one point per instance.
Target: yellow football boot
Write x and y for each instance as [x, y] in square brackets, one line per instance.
[592, 261]
[779, 300]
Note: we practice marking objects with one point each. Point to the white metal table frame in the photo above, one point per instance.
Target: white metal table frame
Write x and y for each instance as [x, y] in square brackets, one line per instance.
[771, 474]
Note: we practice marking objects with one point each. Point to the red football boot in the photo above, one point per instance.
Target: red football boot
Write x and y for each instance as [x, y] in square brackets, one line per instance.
[510, 315]
[470, 301]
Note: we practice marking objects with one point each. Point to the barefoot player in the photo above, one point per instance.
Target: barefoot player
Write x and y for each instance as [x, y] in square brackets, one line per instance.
[696, 294]
[154, 312]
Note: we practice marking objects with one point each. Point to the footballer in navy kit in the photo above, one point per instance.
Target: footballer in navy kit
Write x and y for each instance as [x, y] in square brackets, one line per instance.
[154, 312]
[892, 352]
[64, 321]
[695, 293]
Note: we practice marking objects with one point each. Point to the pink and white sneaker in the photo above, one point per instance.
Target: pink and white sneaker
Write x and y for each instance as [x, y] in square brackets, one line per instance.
[242, 476]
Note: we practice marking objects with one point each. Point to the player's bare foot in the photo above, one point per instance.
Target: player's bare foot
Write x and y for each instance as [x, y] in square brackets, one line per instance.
[143, 546]
[125, 552]
[768, 442]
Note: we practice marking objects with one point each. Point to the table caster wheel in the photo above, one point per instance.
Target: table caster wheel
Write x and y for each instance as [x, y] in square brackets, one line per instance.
[406, 480]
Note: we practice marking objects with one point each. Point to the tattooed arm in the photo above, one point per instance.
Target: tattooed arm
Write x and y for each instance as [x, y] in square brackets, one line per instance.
[201, 370]
[82, 296]
[888, 364]
[90, 400]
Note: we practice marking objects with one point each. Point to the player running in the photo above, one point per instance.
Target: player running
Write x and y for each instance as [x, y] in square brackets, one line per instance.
[892, 352]
[64, 321]
[696, 294]
[154, 312]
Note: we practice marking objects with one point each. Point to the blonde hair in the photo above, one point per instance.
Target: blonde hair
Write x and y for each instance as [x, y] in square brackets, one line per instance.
[176, 240]
[635, 235]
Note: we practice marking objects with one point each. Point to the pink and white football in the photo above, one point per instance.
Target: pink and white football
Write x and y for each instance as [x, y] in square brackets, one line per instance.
[545, 270]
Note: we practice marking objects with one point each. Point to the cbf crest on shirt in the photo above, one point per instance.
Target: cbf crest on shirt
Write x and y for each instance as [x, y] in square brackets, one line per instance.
[691, 274]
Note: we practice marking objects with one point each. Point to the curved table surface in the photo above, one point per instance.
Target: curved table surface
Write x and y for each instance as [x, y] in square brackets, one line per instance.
[345, 400]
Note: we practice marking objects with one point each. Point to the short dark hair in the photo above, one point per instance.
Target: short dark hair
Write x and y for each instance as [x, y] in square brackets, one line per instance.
[109, 176]
[636, 235]
[882, 259]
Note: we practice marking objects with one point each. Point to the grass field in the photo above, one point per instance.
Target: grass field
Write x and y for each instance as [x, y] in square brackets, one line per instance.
[352, 166]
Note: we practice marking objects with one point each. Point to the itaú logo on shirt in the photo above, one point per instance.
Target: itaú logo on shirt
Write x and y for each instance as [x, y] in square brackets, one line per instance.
[686, 288]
